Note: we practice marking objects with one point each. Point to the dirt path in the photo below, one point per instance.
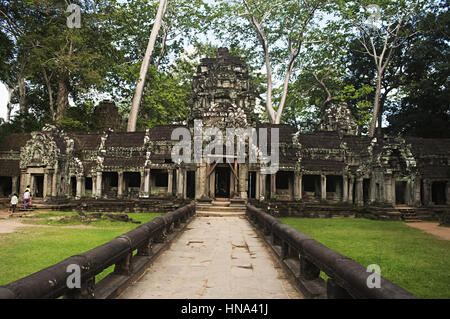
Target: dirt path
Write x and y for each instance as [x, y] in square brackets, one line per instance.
[12, 225]
[432, 228]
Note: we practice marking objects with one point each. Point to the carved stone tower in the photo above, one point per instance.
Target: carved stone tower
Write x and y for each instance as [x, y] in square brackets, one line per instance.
[106, 116]
[223, 92]
[338, 117]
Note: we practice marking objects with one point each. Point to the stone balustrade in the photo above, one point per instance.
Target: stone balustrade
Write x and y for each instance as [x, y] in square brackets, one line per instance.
[305, 258]
[130, 254]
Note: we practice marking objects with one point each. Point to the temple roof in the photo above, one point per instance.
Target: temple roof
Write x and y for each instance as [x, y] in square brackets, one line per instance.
[434, 171]
[326, 140]
[428, 146]
[9, 167]
[125, 139]
[87, 141]
[14, 142]
[162, 132]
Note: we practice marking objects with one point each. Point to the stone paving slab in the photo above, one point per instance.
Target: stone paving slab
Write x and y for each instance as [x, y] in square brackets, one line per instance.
[216, 257]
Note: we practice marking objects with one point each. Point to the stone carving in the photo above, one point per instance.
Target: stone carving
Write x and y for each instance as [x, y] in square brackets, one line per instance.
[338, 117]
[76, 167]
[40, 150]
[359, 169]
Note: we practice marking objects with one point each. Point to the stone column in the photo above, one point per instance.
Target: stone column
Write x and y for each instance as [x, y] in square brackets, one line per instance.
[184, 184]
[388, 189]
[55, 184]
[180, 182]
[426, 192]
[417, 199]
[297, 186]
[142, 186]
[48, 182]
[15, 185]
[344, 188]
[359, 192]
[257, 184]
[350, 190]
[119, 184]
[147, 175]
[409, 192]
[98, 193]
[30, 181]
[94, 188]
[372, 189]
[393, 191]
[199, 181]
[323, 187]
[79, 182]
[243, 173]
[170, 181]
[44, 186]
[273, 186]
[262, 186]
[23, 181]
[83, 186]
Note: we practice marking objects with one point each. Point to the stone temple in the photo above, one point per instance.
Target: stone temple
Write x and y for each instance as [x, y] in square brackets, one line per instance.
[333, 167]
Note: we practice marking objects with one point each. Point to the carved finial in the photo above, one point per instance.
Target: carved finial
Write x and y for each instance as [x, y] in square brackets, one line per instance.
[223, 52]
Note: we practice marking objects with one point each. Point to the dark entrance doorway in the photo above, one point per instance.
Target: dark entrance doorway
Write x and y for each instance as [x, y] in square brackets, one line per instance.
[5, 186]
[222, 182]
[38, 186]
[251, 193]
[190, 184]
[73, 185]
[400, 192]
[366, 190]
[438, 190]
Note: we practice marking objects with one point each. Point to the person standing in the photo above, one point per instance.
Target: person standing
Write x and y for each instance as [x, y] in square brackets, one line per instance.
[27, 197]
[14, 202]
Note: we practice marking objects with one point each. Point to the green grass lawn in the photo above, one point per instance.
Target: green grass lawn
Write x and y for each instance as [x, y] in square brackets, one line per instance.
[34, 248]
[416, 261]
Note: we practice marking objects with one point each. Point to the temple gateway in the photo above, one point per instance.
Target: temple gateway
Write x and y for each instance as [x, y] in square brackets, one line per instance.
[331, 166]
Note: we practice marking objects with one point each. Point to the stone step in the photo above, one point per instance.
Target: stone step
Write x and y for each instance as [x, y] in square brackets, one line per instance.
[409, 215]
[412, 220]
[220, 208]
[220, 203]
[220, 199]
[218, 214]
[394, 213]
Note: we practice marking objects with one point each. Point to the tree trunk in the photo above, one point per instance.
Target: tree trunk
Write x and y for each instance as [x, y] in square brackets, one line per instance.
[63, 97]
[376, 105]
[9, 105]
[285, 91]
[50, 94]
[380, 116]
[22, 94]
[131, 127]
[269, 107]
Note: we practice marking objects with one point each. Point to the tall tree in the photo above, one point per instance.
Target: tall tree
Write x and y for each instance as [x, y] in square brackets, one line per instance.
[423, 107]
[131, 127]
[381, 22]
[66, 61]
[279, 30]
